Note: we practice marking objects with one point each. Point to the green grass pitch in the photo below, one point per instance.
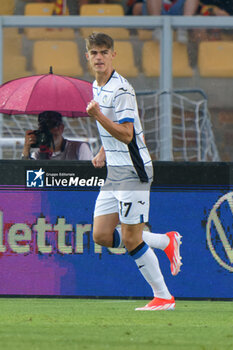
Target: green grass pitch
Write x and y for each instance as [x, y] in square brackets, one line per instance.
[67, 324]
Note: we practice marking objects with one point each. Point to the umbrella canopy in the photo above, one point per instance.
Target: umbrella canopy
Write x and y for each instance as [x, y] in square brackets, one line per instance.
[49, 92]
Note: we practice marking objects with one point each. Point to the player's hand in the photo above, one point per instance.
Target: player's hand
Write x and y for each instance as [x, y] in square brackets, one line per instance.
[99, 160]
[93, 109]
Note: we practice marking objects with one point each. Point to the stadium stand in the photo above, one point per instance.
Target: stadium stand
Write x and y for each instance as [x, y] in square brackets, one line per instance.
[46, 9]
[14, 67]
[104, 10]
[39, 9]
[12, 41]
[213, 63]
[124, 62]
[7, 7]
[63, 55]
[151, 60]
[14, 62]
[215, 59]
[144, 34]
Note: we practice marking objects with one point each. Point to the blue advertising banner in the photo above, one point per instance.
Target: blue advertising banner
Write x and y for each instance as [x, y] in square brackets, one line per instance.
[46, 245]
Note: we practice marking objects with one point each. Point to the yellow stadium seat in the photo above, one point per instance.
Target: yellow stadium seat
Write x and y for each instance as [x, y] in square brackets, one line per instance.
[109, 1]
[7, 7]
[50, 33]
[215, 59]
[14, 62]
[46, 9]
[147, 34]
[14, 67]
[151, 60]
[124, 61]
[12, 75]
[61, 55]
[12, 47]
[39, 9]
[10, 32]
[144, 34]
[104, 10]
[12, 41]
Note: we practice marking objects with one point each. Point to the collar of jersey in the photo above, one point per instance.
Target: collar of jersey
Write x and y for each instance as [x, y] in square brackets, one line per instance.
[99, 88]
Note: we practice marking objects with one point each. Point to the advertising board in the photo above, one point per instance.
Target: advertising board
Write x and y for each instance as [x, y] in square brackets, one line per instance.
[46, 245]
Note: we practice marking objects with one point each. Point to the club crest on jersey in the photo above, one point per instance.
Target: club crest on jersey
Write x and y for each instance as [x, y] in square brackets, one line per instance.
[105, 99]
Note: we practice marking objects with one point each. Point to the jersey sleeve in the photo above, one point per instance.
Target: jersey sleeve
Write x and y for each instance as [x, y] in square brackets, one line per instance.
[124, 104]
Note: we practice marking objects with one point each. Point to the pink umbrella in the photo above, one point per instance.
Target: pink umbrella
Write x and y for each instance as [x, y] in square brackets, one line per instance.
[49, 92]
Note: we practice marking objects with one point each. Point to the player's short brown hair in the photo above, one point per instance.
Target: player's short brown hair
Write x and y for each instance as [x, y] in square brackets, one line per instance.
[99, 39]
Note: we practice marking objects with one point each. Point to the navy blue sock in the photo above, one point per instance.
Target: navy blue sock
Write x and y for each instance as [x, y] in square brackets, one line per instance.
[116, 239]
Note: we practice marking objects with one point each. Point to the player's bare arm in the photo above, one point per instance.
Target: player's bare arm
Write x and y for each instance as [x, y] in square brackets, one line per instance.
[122, 132]
[99, 160]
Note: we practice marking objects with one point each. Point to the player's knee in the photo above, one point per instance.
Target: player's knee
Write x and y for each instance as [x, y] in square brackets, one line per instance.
[103, 238]
[97, 237]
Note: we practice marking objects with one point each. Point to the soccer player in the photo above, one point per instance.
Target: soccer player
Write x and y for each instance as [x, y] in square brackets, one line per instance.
[125, 195]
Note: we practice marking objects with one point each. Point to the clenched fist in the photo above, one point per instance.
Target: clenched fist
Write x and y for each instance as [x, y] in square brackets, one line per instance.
[93, 109]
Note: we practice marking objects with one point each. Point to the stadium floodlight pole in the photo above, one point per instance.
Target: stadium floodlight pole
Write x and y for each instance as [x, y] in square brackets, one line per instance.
[165, 87]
